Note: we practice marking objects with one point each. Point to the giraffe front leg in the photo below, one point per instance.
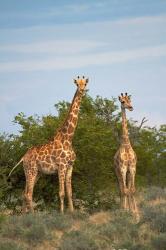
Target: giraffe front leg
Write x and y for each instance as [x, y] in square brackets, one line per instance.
[121, 175]
[132, 173]
[69, 188]
[128, 179]
[61, 174]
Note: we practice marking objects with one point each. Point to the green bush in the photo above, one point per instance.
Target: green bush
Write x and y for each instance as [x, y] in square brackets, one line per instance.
[95, 202]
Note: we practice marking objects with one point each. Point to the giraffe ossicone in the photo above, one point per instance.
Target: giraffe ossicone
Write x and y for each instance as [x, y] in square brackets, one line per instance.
[55, 156]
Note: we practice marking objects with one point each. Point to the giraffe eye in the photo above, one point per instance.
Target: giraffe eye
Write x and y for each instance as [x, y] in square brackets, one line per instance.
[122, 102]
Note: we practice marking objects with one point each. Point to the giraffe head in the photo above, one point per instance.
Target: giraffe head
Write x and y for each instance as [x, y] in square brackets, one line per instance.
[81, 83]
[125, 101]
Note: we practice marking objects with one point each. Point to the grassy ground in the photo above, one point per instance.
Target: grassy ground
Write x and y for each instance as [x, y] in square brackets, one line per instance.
[113, 229]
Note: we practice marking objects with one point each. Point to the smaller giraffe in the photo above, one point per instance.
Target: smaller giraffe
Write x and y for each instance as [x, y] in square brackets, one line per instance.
[125, 161]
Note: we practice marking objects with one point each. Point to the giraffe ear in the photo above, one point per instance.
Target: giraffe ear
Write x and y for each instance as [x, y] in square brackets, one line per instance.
[87, 80]
[75, 81]
[119, 98]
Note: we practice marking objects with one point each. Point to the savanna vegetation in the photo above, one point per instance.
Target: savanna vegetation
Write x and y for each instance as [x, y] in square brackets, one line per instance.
[95, 190]
[96, 140]
[105, 230]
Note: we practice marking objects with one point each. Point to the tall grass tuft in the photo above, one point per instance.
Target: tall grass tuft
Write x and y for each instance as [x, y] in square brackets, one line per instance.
[77, 240]
[10, 245]
[153, 193]
[159, 242]
[29, 228]
[156, 217]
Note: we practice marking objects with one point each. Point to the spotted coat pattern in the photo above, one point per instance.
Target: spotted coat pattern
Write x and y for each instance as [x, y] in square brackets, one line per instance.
[55, 156]
[125, 162]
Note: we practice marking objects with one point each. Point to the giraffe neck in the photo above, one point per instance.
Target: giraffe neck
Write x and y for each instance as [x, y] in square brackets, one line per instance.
[69, 125]
[125, 135]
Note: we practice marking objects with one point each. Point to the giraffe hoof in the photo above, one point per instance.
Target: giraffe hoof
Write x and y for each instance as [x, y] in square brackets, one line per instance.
[71, 210]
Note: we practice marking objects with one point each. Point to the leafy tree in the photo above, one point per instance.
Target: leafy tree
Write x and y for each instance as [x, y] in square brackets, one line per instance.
[96, 140]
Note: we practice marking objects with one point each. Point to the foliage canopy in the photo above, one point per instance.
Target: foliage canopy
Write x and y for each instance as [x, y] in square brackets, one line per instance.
[95, 142]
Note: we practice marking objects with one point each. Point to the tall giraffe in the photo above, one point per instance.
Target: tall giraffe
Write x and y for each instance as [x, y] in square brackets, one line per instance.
[125, 161]
[57, 155]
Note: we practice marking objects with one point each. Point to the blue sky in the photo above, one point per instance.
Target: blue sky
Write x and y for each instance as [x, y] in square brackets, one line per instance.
[119, 44]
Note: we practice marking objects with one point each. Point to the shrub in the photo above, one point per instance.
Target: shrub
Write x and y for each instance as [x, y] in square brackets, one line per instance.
[28, 227]
[120, 229]
[77, 240]
[129, 245]
[93, 231]
[159, 242]
[2, 219]
[153, 193]
[12, 228]
[9, 245]
[97, 202]
[57, 221]
[156, 216]
[77, 215]
[36, 234]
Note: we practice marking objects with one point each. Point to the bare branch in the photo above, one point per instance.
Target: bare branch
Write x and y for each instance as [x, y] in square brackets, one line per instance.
[142, 122]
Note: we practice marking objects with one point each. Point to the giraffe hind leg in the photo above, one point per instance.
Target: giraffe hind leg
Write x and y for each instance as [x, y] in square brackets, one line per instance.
[69, 188]
[28, 194]
[24, 203]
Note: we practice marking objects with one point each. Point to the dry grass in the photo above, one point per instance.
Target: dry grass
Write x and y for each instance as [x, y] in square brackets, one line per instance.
[107, 230]
[100, 218]
[157, 202]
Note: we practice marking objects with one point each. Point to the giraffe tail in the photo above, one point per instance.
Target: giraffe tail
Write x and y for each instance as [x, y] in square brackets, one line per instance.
[15, 167]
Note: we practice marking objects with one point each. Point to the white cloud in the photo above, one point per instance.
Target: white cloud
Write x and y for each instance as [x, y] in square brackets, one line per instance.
[106, 42]
[57, 46]
[70, 62]
[123, 22]
[122, 34]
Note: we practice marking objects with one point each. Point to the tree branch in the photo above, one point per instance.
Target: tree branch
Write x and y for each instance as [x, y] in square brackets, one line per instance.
[142, 122]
